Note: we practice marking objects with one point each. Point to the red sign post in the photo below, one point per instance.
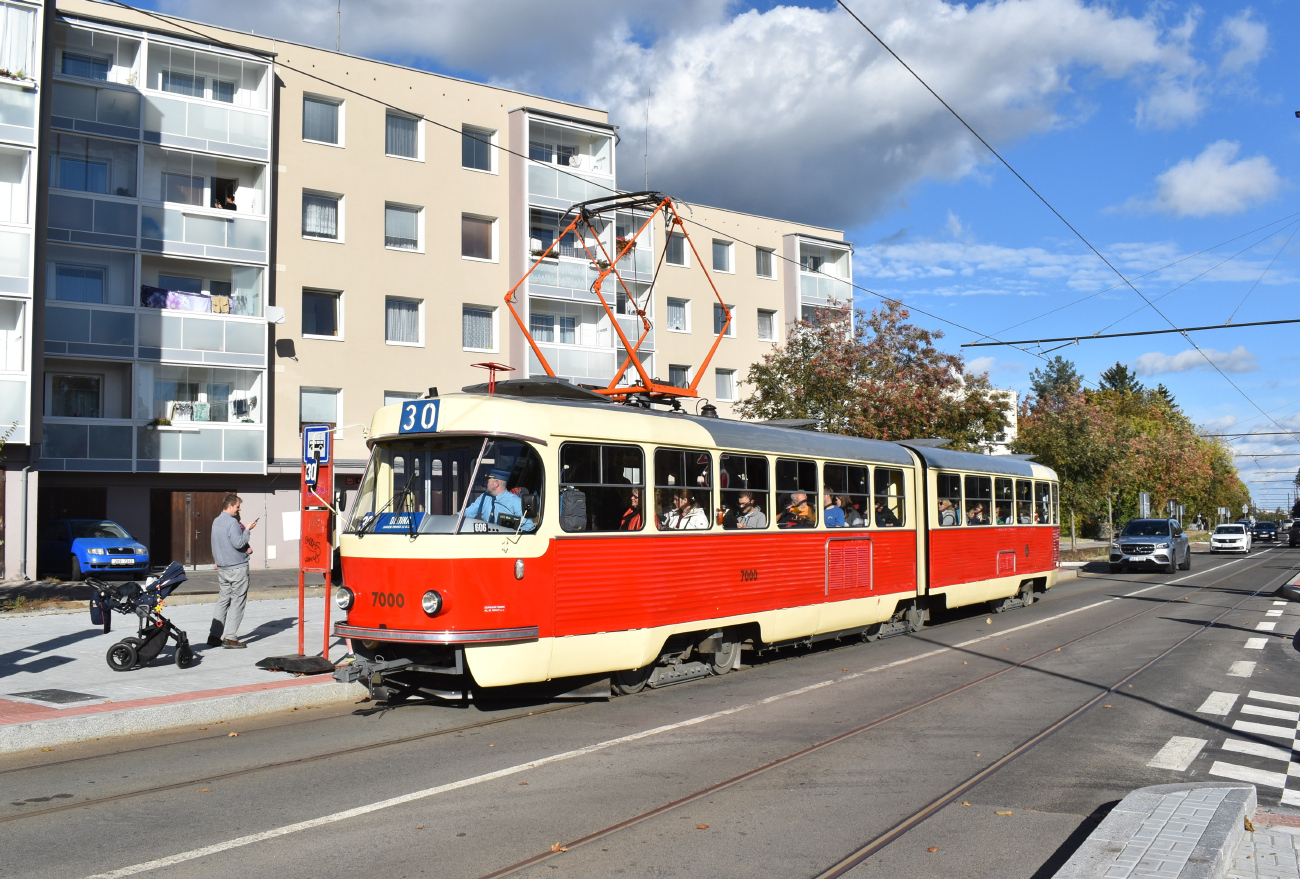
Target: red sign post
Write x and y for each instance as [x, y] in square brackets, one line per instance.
[315, 543]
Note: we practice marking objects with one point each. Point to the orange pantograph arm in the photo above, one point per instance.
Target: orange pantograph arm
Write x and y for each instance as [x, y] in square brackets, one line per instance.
[510, 297]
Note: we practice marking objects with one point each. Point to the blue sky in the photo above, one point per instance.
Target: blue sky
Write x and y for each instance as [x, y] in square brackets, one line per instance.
[1159, 130]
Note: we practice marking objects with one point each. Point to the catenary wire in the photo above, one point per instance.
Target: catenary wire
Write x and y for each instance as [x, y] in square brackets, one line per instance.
[1057, 213]
[1280, 251]
[1077, 339]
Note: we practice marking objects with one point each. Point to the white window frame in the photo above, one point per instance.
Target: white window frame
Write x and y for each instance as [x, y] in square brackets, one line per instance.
[496, 328]
[419, 322]
[341, 222]
[496, 244]
[342, 126]
[686, 308]
[399, 397]
[494, 135]
[731, 256]
[686, 253]
[338, 312]
[50, 375]
[338, 403]
[419, 137]
[731, 327]
[718, 373]
[419, 225]
[772, 252]
[776, 332]
[686, 367]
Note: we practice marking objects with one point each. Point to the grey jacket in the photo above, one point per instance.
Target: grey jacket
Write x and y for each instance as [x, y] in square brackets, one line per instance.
[228, 541]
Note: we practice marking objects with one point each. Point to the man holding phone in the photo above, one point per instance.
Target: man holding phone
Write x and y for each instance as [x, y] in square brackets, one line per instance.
[230, 550]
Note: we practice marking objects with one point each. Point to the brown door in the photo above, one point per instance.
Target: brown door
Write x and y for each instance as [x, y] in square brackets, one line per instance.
[192, 513]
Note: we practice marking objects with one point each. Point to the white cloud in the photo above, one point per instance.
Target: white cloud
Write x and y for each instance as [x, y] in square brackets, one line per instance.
[980, 365]
[800, 99]
[1244, 42]
[1220, 424]
[1237, 360]
[1213, 183]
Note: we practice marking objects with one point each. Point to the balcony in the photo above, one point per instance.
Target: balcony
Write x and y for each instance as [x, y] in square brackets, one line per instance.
[95, 110]
[109, 445]
[194, 126]
[203, 233]
[183, 338]
[228, 289]
[89, 332]
[819, 289]
[552, 189]
[203, 181]
[92, 221]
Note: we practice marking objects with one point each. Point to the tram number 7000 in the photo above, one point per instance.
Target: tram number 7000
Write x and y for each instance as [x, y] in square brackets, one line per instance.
[748, 574]
[387, 599]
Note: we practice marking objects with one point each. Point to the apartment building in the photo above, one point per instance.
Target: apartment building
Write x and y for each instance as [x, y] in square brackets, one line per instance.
[402, 205]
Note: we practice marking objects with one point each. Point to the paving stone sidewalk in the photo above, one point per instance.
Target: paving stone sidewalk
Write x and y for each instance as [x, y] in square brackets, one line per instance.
[1271, 852]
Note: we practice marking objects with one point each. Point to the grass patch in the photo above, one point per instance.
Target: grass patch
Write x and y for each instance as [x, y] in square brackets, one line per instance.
[23, 604]
[1085, 555]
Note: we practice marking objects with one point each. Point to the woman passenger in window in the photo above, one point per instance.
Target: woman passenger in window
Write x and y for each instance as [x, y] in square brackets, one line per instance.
[947, 514]
[685, 514]
[852, 518]
[833, 515]
[632, 519]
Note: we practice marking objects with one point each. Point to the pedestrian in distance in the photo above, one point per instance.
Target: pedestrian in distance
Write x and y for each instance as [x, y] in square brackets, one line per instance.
[230, 550]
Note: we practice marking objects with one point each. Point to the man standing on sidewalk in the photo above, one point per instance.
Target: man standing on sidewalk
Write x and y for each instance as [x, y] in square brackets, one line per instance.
[230, 550]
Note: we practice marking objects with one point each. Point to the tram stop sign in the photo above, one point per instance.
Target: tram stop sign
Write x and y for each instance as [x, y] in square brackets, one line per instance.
[316, 448]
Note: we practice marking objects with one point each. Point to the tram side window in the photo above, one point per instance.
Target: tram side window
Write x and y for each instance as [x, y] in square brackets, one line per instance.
[948, 486]
[1043, 503]
[602, 487]
[890, 492]
[1056, 506]
[850, 491]
[796, 493]
[1003, 501]
[683, 489]
[744, 491]
[979, 498]
[1024, 501]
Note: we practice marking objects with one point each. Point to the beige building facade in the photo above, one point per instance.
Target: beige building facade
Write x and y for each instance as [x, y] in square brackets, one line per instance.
[399, 207]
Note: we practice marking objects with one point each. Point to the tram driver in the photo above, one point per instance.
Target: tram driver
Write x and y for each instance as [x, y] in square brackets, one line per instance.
[498, 506]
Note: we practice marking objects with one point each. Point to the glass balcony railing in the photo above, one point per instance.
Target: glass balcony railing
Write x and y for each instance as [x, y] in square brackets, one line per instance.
[200, 449]
[108, 443]
[570, 187]
[94, 110]
[818, 289]
[92, 221]
[588, 365]
[174, 122]
[168, 230]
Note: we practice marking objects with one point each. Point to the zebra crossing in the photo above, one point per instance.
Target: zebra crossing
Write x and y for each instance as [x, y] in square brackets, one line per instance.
[1273, 742]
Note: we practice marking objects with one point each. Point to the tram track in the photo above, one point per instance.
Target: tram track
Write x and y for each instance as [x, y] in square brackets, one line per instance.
[544, 710]
[900, 828]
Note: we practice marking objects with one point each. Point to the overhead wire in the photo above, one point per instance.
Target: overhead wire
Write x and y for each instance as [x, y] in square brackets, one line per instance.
[1054, 211]
[1280, 251]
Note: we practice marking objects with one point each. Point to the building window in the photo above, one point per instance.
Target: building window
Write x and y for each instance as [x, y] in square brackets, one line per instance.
[476, 236]
[478, 149]
[75, 396]
[182, 188]
[16, 45]
[721, 256]
[401, 227]
[322, 314]
[679, 315]
[88, 165]
[568, 329]
[320, 119]
[79, 283]
[726, 382]
[391, 397]
[720, 319]
[319, 406]
[478, 328]
[402, 324]
[766, 325]
[679, 376]
[83, 175]
[320, 216]
[182, 83]
[401, 136]
[223, 91]
[676, 249]
[541, 327]
[764, 262]
[85, 66]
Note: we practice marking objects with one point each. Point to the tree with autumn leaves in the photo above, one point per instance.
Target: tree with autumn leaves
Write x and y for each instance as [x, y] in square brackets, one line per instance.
[875, 376]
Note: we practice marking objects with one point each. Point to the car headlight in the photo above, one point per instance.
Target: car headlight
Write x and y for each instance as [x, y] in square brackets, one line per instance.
[1164, 545]
[94, 550]
[431, 602]
[343, 597]
[140, 550]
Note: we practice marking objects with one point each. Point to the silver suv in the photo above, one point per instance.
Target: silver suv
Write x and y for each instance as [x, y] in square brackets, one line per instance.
[1157, 543]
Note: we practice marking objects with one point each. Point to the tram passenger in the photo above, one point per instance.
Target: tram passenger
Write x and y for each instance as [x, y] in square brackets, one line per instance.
[1004, 515]
[632, 519]
[885, 517]
[751, 515]
[831, 513]
[798, 513]
[496, 502]
[947, 514]
[852, 518]
[975, 515]
[685, 514]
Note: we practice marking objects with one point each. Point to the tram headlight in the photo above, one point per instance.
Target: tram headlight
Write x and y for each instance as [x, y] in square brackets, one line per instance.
[431, 602]
[343, 597]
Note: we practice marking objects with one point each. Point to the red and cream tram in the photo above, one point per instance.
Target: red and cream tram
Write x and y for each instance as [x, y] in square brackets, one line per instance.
[542, 533]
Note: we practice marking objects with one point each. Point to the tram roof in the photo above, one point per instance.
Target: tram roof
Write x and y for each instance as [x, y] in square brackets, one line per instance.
[950, 459]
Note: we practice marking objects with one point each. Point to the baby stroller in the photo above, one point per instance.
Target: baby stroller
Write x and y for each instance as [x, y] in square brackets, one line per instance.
[144, 602]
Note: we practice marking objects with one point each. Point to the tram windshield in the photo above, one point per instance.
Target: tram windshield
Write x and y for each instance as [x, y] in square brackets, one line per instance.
[453, 485]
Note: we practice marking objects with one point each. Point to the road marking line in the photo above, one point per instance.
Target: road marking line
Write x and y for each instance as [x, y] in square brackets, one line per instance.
[1246, 773]
[1264, 729]
[1274, 697]
[1279, 604]
[1258, 749]
[1218, 703]
[1291, 797]
[1256, 643]
[1178, 753]
[1275, 713]
[1242, 669]
[1273, 613]
[1265, 627]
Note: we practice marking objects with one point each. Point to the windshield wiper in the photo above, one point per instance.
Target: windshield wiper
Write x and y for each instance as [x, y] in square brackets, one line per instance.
[399, 495]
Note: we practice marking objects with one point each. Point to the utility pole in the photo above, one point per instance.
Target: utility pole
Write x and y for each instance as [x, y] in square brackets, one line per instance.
[338, 28]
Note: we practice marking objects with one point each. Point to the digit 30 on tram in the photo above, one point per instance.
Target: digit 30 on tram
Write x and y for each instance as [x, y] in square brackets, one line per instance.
[544, 535]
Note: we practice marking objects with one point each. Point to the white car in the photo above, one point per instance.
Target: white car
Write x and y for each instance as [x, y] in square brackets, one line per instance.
[1230, 538]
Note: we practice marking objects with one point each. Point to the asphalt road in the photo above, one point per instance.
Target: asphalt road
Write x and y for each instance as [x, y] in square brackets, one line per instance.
[988, 745]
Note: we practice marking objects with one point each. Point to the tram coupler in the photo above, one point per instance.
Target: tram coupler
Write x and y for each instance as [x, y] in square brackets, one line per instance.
[370, 673]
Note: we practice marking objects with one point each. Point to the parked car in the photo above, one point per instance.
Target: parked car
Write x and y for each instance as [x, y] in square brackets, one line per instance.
[1151, 542]
[1264, 531]
[1295, 537]
[85, 546]
[1285, 526]
[1230, 538]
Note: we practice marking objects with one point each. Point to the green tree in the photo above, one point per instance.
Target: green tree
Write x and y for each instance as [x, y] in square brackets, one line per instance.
[1119, 378]
[1055, 382]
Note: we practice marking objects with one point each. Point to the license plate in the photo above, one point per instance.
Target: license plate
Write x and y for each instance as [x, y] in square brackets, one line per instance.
[122, 562]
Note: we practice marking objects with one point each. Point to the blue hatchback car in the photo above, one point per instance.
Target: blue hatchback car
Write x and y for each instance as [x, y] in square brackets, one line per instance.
[92, 546]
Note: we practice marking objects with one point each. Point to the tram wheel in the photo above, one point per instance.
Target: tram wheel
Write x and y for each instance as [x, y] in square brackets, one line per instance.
[1027, 594]
[725, 659]
[915, 619]
[626, 683]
